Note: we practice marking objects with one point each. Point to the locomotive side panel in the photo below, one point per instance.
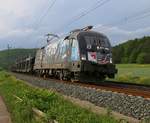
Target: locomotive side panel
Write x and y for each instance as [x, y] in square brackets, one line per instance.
[59, 55]
[55, 54]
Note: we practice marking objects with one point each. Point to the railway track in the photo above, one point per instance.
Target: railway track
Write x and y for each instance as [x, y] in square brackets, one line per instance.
[119, 87]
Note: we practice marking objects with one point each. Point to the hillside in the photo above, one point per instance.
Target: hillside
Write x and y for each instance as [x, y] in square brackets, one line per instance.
[7, 58]
[133, 51]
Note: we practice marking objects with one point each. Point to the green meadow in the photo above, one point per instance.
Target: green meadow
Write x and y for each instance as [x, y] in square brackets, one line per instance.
[133, 73]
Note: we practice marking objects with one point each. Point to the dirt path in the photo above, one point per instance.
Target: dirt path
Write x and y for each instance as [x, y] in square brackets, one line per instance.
[4, 115]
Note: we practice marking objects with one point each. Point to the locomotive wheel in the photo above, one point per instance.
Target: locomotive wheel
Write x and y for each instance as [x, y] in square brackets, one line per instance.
[44, 76]
[111, 75]
[72, 80]
[102, 77]
[74, 77]
[61, 76]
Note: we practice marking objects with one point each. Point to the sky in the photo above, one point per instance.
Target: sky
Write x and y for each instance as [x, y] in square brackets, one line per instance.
[24, 23]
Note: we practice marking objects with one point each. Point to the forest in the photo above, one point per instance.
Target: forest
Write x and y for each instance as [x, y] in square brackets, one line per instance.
[133, 51]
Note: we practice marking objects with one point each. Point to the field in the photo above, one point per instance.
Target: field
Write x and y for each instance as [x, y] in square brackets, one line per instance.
[133, 73]
[21, 98]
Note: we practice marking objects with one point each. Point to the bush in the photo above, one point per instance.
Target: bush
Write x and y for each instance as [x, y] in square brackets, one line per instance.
[141, 58]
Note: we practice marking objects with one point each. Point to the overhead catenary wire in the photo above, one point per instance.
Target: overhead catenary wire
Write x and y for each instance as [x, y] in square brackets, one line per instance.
[128, 21]
[36, 24]
[90, 10]
[98, 4]
[134, 17]
[45, 14]
[140, 17]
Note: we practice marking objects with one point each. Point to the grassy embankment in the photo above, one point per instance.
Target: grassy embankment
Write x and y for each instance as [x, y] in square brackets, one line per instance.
[133, 73]
[50, 103]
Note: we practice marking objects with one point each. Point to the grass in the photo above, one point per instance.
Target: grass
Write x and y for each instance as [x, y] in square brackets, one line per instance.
[50, 103]
[133, 73]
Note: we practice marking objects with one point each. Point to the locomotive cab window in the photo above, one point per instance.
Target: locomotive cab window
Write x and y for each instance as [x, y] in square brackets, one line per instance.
[97, 44]
[96, 41]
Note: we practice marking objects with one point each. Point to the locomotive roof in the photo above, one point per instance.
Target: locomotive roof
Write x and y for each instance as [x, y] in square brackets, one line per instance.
[75, 34]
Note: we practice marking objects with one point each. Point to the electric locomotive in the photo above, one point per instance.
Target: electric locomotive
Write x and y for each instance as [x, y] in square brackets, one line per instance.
[82, 55]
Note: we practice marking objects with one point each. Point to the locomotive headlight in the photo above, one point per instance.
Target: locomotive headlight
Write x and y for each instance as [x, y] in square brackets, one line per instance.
[110, 60]
[107, 49]
[83, 57]
[89, 46]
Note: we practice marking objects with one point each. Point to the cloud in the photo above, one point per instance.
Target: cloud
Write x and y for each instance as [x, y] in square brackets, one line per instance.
[19, 17]
[20, 32]
[3, 27]
[119, 35]
[20, 8]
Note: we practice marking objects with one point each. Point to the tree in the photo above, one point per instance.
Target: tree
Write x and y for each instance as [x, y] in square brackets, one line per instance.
[133, 51]
[141, 58]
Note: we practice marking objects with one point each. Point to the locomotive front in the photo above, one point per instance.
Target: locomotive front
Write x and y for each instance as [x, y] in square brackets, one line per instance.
[95, 55]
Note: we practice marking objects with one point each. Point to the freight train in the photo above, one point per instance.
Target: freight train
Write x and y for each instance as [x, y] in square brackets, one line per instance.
[81, 55]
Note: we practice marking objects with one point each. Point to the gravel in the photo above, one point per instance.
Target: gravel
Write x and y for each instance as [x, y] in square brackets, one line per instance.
[134, 106]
